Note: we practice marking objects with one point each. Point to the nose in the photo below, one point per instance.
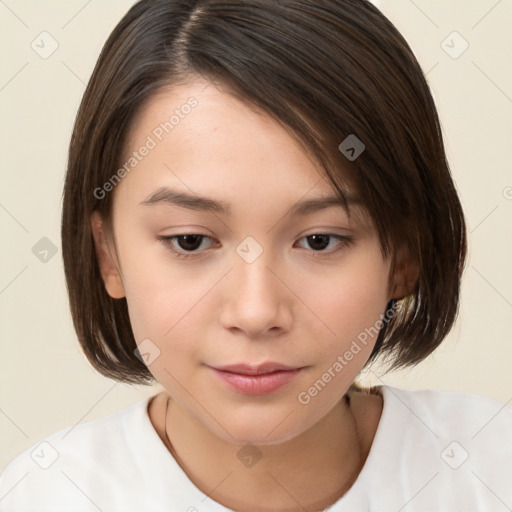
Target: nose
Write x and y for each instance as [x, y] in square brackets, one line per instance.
[255, 299]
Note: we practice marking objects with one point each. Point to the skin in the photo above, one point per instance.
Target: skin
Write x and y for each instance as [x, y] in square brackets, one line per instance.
[293, 304]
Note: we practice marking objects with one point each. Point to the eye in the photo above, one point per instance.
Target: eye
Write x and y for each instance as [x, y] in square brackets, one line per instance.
[320, 241]
[191, 245]
[185, 245]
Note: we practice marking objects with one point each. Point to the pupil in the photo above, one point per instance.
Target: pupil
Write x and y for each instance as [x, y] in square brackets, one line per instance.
[189, 242]
[192, 242]
[322, 240]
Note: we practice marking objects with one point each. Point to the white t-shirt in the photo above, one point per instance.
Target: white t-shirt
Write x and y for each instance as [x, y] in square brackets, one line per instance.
[433, 451]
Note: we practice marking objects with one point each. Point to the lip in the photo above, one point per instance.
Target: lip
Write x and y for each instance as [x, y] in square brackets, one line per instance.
[258, 369]
[254, 380]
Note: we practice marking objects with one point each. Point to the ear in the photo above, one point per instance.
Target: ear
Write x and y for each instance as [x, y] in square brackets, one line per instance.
[403, 280]
[109, 266]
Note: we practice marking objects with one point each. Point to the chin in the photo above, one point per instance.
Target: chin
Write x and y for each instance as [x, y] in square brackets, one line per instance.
[273, 429]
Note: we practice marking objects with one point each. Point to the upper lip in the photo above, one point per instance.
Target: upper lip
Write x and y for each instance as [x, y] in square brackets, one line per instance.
[248, 369]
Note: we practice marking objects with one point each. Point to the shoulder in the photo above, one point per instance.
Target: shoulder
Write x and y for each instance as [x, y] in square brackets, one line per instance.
[463, 423]
[444, 448]
[448, 413]
[47, 472]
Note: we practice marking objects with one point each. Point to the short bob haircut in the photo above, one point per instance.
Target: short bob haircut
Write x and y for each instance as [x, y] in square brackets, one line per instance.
[324, 69]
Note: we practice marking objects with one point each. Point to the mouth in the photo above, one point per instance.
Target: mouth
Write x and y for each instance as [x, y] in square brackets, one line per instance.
[261, 379]
[248, 369]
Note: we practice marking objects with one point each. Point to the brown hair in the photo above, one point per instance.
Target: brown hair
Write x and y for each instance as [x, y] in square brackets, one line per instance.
[325, 69]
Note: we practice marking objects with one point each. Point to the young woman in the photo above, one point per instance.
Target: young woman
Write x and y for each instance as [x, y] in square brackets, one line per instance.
[257, 205]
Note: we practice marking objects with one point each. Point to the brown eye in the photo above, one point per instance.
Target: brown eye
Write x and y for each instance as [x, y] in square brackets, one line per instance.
[318, 242]
[188, 245]
[189, 242]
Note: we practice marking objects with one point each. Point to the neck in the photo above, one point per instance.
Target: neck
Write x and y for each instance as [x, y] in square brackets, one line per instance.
[308, 472]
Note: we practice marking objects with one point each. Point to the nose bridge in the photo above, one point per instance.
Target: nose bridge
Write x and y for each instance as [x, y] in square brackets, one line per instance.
[255, 301]
[251, 273]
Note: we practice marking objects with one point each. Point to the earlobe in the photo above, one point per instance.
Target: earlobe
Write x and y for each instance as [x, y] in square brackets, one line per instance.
[404, 278]
[108, 264]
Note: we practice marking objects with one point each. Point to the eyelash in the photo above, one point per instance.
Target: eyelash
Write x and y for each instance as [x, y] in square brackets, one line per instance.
[345, 241]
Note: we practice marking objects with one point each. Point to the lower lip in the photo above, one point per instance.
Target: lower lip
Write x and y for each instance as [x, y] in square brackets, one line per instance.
[262, 384]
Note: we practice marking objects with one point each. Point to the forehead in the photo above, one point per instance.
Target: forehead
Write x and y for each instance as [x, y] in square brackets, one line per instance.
[204, 141]
[201, 119]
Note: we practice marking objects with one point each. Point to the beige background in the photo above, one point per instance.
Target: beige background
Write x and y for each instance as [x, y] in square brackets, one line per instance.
[46, 383]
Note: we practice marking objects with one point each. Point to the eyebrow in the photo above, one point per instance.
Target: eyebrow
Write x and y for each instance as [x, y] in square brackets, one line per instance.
[167, 196]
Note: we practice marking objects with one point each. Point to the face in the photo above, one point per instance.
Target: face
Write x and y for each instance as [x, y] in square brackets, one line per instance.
[245, 277]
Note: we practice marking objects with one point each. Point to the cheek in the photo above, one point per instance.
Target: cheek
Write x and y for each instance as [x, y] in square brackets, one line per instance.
[169, 307]
[160, 308]
[156, 292]
[347, 306]
[165, 323]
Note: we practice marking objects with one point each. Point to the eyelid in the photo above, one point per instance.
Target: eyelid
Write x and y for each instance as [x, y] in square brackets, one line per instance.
[167, 241]
[344, 241]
